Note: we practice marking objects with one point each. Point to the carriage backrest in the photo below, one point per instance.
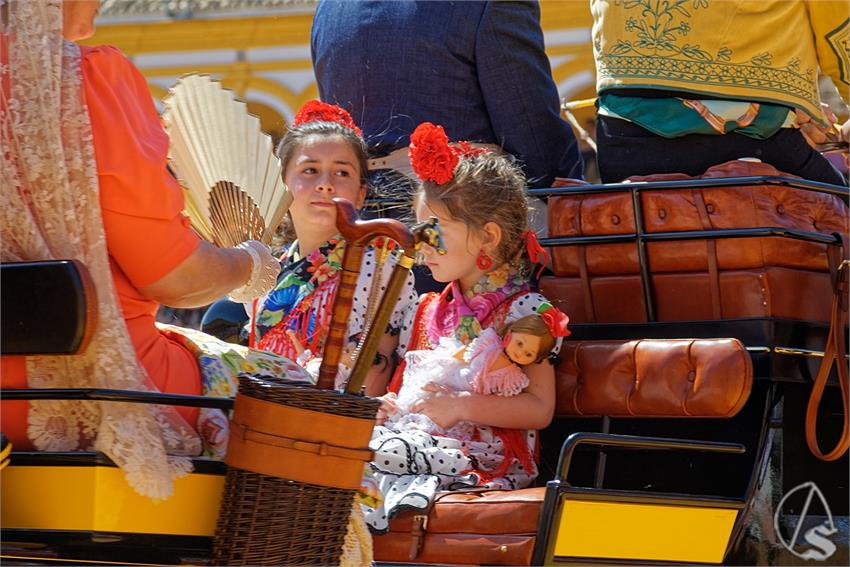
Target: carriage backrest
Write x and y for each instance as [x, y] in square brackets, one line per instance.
[743, 240]
[653, 378]
[49, 307]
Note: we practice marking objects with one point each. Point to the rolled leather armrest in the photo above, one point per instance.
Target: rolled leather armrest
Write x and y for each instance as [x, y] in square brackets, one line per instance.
[653, 378]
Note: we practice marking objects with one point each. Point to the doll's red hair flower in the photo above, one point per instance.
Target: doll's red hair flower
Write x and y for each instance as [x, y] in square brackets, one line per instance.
[555, 319]
[318, 111]
[431, 156]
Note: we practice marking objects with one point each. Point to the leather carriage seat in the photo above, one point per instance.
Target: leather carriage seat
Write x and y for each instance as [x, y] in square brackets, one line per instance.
[61, 321]
[680, 378]
[726, 278]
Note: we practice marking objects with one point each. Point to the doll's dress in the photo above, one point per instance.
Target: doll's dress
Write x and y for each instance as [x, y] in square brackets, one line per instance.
[470, 375]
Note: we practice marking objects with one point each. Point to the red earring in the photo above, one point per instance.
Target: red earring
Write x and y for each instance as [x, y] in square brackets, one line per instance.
[484, 262]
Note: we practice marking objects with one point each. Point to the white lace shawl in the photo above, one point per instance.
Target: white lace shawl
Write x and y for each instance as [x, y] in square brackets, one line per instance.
[50, 209]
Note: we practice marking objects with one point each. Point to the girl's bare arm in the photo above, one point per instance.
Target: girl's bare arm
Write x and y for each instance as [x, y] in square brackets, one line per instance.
[531, 409]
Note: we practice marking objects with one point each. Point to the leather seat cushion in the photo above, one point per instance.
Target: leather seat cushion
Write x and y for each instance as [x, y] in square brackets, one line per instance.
[480, 527]
[653, 378]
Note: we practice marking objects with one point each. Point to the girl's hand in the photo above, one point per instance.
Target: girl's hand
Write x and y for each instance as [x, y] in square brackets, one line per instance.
[296, 343]
[388, 407]
[442, 405]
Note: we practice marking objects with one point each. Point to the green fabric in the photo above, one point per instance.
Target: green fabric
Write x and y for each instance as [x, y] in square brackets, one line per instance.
[671, 118]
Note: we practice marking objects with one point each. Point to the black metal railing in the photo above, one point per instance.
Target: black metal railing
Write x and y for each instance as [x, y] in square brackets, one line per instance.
[107, 395]
[641, 237]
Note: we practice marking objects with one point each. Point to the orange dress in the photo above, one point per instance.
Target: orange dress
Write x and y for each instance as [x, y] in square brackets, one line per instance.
[146, 233]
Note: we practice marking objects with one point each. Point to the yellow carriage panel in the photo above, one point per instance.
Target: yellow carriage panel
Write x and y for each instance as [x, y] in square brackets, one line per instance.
[97, 498]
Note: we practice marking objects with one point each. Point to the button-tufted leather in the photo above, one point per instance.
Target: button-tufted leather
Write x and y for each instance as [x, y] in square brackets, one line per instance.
[768, 268]
[669, 378]
[653, 378]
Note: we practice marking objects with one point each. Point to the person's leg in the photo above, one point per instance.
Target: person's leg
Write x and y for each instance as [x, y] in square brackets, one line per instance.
[788, 151]
[626, 149]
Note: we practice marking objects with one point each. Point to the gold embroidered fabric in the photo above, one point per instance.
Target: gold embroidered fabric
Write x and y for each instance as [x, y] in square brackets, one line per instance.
[766, 51]
[50, 209]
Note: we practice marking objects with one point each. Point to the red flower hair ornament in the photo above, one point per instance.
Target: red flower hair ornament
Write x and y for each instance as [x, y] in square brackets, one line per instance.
[536, 253]
[318, 111]
[433, 158]
[467, 150]
[555, 319]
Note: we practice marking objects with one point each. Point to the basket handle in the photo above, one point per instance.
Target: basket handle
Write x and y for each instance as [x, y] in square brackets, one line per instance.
[358, 234]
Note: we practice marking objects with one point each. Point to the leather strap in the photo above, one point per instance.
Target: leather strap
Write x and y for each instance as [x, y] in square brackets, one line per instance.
[418, 525]
[247, 434]
[711, 249]
[298, 444]
[399, 159]
[586, 290]
[834, 350]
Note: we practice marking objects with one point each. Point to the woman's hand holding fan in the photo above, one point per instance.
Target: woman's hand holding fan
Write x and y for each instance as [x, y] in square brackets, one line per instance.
[235, 195]
[231, 177]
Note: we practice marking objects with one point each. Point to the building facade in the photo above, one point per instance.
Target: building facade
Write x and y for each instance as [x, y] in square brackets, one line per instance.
[261, 48]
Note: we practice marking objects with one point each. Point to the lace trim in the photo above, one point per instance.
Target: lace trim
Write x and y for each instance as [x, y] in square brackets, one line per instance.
[50, 208]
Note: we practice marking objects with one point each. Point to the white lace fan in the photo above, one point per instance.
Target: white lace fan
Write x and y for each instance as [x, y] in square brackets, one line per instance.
[230, 175]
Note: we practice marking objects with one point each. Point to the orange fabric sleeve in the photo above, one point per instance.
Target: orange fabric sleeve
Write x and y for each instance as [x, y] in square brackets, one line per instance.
[141, 202]
[13, 413]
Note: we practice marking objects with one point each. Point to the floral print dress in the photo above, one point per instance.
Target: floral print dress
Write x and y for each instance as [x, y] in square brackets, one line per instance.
[411, 466]
[220, 364]
[302, 301]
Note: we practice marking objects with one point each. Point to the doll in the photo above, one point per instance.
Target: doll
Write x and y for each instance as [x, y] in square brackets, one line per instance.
[490, 365]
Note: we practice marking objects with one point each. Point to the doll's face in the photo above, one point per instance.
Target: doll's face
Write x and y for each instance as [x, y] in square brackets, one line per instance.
[523, 348]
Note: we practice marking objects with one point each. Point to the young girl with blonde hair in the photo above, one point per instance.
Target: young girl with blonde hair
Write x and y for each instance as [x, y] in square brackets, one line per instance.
[479, 200]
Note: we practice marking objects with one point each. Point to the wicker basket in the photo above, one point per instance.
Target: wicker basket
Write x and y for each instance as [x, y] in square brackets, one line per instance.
[274, 514]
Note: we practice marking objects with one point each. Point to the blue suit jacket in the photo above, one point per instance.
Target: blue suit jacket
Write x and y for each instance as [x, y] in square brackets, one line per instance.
[476, 68]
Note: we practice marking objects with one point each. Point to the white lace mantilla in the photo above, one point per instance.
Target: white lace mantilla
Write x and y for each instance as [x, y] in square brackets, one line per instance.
[50, 209]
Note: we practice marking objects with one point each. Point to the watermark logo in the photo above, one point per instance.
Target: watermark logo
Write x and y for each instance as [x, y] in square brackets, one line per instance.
[816, 543]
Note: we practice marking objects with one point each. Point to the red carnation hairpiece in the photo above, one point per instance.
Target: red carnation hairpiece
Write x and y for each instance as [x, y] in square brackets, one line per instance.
[318, 111]
[555, 319]
[431, 156]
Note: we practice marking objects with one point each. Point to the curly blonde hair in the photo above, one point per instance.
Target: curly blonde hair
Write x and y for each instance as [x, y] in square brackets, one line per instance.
[487, 188]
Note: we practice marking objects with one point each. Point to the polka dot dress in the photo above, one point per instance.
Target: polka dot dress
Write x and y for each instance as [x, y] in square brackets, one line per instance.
[412, 466]
[360, 305]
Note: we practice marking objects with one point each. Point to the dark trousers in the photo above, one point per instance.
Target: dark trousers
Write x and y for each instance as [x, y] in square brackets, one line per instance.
[625, 149]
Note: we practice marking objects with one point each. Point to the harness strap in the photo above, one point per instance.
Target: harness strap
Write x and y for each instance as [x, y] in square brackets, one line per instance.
[835, 350]
[711, 252]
